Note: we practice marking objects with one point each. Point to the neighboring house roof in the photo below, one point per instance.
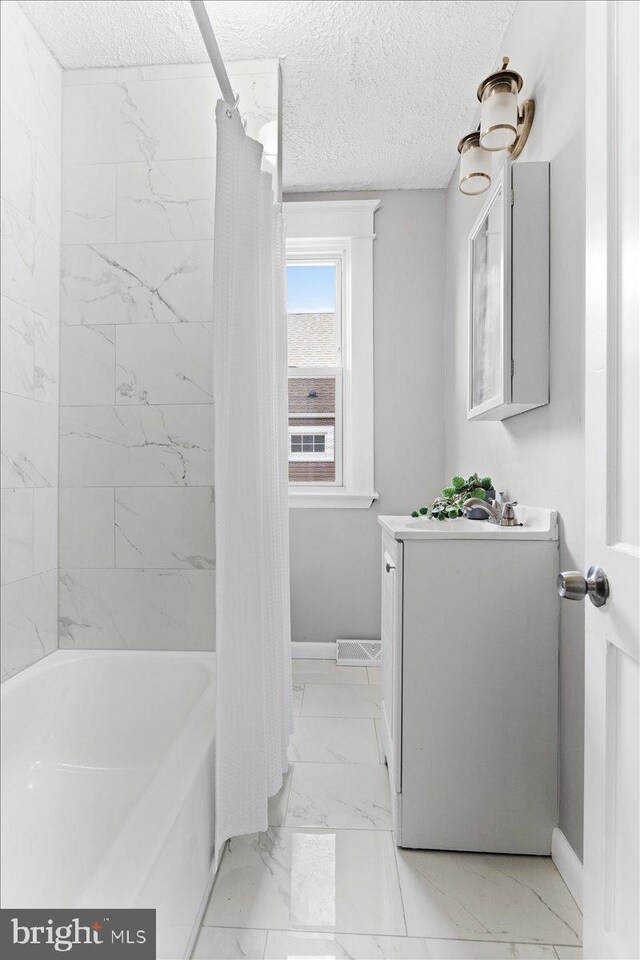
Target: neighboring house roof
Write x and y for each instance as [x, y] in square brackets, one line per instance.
[312, 339]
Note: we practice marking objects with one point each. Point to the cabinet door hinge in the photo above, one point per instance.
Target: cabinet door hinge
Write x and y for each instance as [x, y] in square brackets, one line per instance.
[512, 197]
[513, 367]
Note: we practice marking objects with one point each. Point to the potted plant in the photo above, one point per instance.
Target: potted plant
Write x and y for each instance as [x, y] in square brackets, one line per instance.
[449, 504]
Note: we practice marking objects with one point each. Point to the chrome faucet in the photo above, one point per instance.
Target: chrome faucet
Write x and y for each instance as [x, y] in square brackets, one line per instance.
[500, 512]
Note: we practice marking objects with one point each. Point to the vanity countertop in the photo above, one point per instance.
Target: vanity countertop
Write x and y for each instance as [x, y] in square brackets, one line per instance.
[538, 523]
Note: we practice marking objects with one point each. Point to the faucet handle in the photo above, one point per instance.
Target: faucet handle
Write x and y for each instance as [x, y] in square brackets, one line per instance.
[508, 513]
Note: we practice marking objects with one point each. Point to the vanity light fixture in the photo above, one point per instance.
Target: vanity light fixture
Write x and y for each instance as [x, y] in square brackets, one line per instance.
[504, 125]
[475, 165]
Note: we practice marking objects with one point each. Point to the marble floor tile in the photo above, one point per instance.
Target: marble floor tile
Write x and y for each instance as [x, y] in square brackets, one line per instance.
[486, 897]
[300, 945]
[569, 953]
[333, 740]
[278, 805]
[226, 943]
[326, 671]
[299, 879]
[296, 698]
[341, 700]
[347, 796]
[379, 739]
[374, 674]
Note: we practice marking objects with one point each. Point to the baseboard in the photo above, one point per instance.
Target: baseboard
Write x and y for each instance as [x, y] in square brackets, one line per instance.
[313, 651]
[567, 863]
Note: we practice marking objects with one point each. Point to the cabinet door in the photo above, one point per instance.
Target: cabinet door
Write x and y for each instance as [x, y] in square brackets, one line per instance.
[391, 633]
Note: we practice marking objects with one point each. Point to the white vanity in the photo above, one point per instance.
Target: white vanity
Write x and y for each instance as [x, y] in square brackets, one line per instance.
[470, 681]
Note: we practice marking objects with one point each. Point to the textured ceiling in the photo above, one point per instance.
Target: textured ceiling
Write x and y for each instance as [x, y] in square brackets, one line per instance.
[376, 92]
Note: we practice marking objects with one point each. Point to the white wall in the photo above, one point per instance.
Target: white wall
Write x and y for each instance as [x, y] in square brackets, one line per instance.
[136, 427]
[31, 95]
[538, 457]
[335, 554]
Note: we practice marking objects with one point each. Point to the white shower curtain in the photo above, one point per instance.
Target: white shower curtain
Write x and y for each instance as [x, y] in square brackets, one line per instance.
[253, 665]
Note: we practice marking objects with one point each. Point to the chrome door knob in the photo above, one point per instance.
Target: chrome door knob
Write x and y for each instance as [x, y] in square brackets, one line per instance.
[573, 586]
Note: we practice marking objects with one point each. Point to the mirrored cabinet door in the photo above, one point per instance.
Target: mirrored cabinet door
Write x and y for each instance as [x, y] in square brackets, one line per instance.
[487, 307]
[509, 296]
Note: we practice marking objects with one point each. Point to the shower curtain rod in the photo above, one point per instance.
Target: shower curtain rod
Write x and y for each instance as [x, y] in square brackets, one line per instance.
[210, 42]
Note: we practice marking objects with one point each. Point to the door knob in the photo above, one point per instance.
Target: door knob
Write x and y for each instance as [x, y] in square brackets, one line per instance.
[573, 586]
[389, 566]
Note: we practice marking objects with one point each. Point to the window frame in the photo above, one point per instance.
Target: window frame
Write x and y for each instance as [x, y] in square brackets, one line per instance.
[342, 230]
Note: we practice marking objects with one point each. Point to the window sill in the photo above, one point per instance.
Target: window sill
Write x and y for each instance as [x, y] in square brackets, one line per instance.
[336, 498]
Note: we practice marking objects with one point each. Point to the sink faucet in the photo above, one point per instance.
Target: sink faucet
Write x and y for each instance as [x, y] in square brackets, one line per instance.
[500, 512]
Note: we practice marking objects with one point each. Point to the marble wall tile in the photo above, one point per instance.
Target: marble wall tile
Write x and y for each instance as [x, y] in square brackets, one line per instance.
[16, 348]
[16, 534]
[87, 527]
[139, 120]
[29, 443]
[164, 527]
[31, 92]
[30, 78]
[87, 365]
[136, 446]
[97, 125]
[45, 529]
[137, 609]
[30, 264]
[46, 359]
[48, 191]
[17, 166]
[258, 93]
[166, 200]
[168, 363]
[137, 283]
[89, 203]
[29, 347]
[28, 620]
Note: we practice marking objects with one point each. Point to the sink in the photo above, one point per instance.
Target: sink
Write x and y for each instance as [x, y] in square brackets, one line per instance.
[538, 523]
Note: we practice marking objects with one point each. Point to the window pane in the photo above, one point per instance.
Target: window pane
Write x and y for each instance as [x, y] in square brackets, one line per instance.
[311, 308]
[312, 424]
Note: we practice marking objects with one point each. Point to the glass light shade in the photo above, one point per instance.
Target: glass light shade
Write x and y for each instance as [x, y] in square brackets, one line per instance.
[499, 115]
[475, 166]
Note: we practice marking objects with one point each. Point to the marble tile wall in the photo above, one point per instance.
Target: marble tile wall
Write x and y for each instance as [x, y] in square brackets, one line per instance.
[31, 93]
[137, 550]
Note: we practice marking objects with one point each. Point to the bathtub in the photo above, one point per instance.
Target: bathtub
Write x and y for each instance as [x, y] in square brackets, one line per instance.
[107, 786]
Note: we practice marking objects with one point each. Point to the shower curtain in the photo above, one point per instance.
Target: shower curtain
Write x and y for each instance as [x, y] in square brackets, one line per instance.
[253, 651]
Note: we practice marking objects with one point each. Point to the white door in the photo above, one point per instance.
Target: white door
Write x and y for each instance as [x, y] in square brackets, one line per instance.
[612, 676]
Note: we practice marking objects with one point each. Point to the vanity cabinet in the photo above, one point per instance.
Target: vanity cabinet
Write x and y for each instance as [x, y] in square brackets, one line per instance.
[470, 682]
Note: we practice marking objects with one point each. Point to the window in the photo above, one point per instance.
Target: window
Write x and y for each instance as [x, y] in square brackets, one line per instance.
[314, 326]
[330, 347]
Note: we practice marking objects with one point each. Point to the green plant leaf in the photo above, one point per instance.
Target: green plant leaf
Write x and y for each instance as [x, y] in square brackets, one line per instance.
[449, 492]
[424, 510]
[486, 483]
[415, 513]
[479, 493]
[457, 482]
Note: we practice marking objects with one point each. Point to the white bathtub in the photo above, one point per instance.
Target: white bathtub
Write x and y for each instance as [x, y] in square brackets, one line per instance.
[107, 785]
